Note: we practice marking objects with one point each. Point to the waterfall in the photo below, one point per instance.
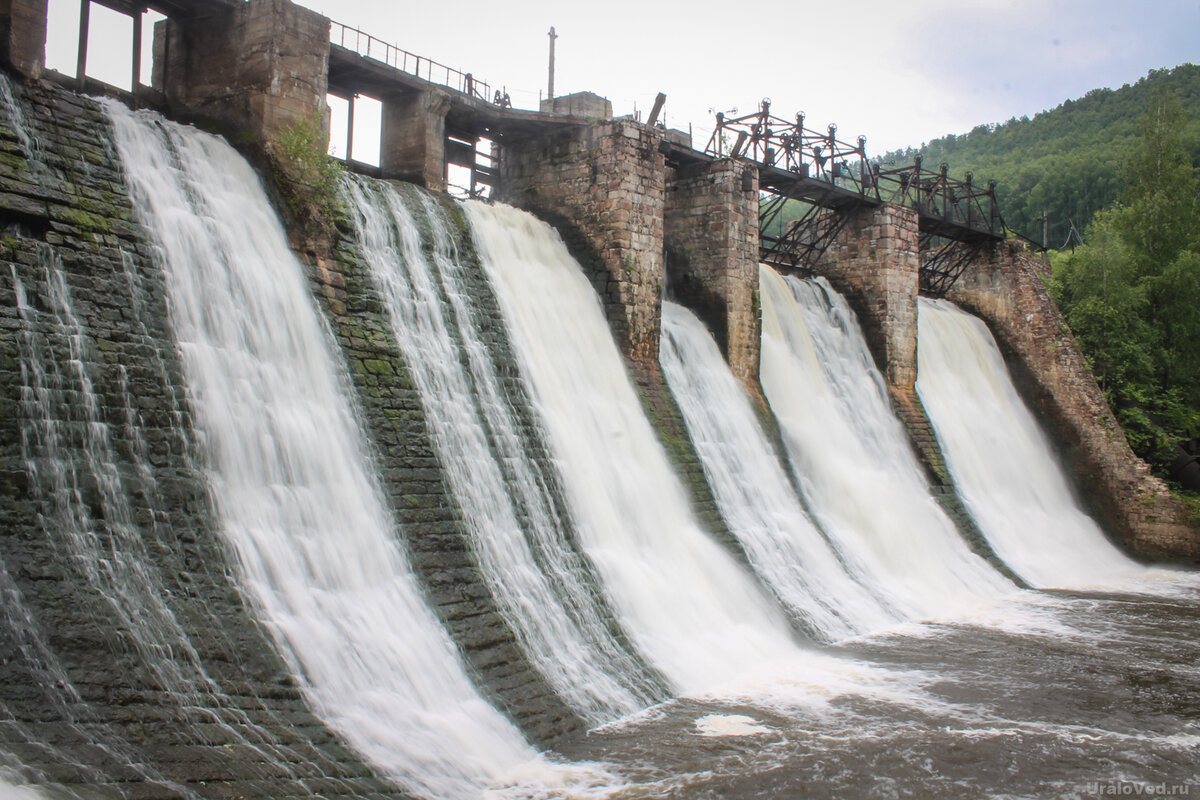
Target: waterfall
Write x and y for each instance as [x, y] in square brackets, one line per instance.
[856, 468]
[753, 492]
[516, 525]
[690, 608]
[14, 116]
[1003, 465]
[290, 475]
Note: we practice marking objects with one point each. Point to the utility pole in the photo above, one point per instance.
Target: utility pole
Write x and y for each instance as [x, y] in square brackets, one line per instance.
[553, 36]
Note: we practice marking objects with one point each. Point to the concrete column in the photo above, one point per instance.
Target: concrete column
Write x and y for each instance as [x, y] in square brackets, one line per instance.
[711, 236]
[876, 263]
[413, 146]
[255, 68]
[23, 36]
[1006, 289]
[603, 187]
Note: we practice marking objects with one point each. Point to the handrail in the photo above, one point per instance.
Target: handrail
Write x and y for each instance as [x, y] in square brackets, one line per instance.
[426, 68]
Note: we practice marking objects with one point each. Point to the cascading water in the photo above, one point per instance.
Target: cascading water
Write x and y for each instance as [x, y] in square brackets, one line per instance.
[754, 494]
[517, 527]
[695, 614]
[76, 478]
[1002, 464]
[860, 478]
[291, 478]
[17, 124]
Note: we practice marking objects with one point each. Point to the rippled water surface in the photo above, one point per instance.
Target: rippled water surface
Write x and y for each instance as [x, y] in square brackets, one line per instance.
[1058, 695]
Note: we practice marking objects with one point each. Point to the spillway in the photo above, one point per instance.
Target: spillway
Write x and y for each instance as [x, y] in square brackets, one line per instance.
[291, 477]
[519, 529]
[855, 465]
[1002, 463]
[753, 491]
[693, 612]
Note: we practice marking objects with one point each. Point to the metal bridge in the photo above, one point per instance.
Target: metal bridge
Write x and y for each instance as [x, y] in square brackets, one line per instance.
[814, 181]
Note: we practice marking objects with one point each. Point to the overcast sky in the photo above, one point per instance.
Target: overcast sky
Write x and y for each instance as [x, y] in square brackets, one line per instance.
[899, 72]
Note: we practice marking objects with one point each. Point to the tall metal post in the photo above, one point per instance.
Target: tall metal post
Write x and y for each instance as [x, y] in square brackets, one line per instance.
[350, 127]
[85, 8]
[553, 36]
[136, 77]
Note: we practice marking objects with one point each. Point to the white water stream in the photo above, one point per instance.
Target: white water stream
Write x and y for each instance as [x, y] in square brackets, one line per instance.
[753, 491]
[517, 529]
[1005, 469]
[692, 610]
[856, 468]
[290, 475]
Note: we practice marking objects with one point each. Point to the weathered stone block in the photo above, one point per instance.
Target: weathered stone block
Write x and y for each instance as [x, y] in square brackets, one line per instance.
[875, 264]
[711, 238]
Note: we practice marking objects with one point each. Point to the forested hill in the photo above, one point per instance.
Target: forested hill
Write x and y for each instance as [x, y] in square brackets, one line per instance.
[1067, 161]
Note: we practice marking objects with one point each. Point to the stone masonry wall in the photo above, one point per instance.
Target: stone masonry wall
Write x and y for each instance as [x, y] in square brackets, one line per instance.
[875, 263]
[711, 236]
[253, 69]
[85, 701]
[23, 36]
[1007, 290]
[602, 186]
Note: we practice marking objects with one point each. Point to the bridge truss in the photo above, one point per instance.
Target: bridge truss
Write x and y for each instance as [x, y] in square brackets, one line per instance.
[813, 180]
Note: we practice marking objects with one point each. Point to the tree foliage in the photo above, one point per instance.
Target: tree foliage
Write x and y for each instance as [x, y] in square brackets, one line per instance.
[1066, 162]
[1132, 293]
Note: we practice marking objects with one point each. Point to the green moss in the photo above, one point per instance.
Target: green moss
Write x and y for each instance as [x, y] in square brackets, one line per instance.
[80, 219]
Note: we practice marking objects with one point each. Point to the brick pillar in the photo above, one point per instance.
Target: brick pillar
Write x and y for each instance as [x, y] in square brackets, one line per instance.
[711, 236]
[603, 187]
[256, 67]
[23, 36]
[1005, 288]
[413, 146]
[875, 263]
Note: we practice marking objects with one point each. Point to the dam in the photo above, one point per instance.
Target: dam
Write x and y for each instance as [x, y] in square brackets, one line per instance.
[569, 493]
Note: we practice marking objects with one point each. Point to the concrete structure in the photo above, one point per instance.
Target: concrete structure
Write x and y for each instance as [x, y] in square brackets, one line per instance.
[413, 145]
[23, 36]
[711, 239]
[254, 68]
[588, 105]
[875, 262]
[1007, 290]
[603, 186]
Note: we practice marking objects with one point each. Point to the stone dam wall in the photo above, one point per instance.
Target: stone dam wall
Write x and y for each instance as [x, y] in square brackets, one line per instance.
[1007, 290]
[204, 705]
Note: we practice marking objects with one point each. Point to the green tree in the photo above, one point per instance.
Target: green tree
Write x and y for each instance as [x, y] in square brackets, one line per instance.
[1132, 294]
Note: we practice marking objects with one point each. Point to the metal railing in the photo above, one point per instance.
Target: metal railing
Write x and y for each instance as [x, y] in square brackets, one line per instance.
[425, 68]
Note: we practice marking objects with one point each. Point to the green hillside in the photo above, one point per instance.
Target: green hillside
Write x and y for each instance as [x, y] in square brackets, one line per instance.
[1066, 161]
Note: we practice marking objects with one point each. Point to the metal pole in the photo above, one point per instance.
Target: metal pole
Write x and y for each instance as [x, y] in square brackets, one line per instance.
[137, 51]
[350, 128]
[553, 36]
[85, 8]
